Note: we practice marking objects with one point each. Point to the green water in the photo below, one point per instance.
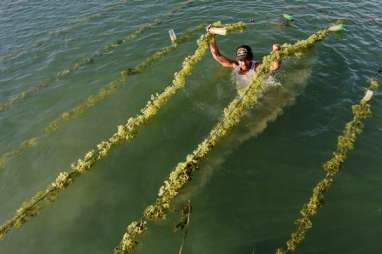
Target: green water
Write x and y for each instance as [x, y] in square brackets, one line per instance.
[249, 190]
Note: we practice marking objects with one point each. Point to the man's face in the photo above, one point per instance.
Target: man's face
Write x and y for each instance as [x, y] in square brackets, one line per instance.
[244, 65]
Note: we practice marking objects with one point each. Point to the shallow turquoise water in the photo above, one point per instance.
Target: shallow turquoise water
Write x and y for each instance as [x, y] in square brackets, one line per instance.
[249, 190]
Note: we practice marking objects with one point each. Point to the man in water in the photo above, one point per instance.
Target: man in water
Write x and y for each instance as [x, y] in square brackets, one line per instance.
[244, 65]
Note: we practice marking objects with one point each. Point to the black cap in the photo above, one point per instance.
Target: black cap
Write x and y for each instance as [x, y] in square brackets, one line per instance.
[244, 52]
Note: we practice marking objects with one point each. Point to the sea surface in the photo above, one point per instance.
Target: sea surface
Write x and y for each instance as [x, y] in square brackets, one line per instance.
[247, 193]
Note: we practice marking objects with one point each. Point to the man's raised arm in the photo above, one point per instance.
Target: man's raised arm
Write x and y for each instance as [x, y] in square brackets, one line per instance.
[226, 62]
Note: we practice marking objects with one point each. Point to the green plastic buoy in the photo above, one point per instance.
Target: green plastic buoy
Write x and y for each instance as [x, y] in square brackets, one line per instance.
[288, 17]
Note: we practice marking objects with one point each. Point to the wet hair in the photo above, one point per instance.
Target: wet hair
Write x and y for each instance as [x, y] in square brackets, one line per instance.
[243, 52]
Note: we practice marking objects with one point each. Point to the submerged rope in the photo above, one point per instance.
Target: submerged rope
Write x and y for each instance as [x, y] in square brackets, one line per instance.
[107, 49]
[102, 94]
[124, 132]
[69, 27]
[184, 223]
[345, 144]
[86, 19]
[182, 173]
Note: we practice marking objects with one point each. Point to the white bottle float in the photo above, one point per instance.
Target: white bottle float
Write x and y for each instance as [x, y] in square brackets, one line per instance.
[369, 94]
[172, 34]
[218, 30]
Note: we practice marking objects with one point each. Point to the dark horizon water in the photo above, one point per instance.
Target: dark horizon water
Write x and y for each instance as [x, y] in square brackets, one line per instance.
[248, 192]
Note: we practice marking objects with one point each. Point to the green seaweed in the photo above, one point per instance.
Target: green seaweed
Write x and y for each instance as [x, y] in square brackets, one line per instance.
[102, 94]
[232, 115]
[112, 86]
[105, 50]
[26, 144]
[345, 144]
[124, 132]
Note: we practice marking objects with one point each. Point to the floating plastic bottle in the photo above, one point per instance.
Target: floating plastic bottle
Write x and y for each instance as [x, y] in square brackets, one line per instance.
[336, 28]
[288, 17]
[369, 94]
[218, 30]
[172, 34]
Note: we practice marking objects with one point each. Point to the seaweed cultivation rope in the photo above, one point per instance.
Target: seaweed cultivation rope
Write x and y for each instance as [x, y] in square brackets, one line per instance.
[69, 27]
[85, 20]
[345, 144]
[107, 49]
[231, 117]
[124, 132]
[114, 85]
[92, 100]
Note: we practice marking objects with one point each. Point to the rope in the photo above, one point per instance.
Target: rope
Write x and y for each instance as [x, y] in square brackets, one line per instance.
[69, 27]
[124, 132]
[93, 100]
[182, 173]
[185, 223]
[107, 49]
[331, 167]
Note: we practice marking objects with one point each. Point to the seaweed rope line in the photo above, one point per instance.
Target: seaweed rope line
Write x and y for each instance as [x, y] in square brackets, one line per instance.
[183, 171]
[124, 132]
[345, 144]
[69, 27]
[106, 50]
[81, 22]
[259, 122]
[92, 100]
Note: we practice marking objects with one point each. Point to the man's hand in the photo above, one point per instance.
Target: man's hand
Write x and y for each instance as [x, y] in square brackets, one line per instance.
[275, 64]
[208, 30]
[276, 47]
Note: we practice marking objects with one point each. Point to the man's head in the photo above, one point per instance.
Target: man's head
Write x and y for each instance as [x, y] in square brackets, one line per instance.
[244, 57]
